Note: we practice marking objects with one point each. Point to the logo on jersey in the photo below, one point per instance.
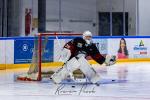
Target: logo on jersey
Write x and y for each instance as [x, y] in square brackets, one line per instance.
[79, 45]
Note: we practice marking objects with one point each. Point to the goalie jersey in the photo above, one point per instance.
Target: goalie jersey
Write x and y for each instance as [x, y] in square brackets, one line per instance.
[78, 45]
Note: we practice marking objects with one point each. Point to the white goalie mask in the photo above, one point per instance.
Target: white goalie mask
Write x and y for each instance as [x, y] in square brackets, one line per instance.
[87, 36]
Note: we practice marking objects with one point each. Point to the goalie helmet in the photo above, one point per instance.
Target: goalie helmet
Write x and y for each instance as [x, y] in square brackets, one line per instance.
[87, 36]
[87, 33]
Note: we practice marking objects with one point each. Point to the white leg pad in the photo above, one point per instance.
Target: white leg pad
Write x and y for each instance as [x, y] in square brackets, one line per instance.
[66, 70]
[89, 72]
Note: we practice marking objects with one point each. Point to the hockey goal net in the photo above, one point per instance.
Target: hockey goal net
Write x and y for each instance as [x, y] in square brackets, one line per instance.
[46, 54]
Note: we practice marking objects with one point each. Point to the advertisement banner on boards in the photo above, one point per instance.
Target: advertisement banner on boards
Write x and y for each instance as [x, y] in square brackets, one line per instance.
[23, 51]
[125, 48]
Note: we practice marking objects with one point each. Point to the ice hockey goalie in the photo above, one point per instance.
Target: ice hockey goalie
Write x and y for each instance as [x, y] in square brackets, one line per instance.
[74, 56]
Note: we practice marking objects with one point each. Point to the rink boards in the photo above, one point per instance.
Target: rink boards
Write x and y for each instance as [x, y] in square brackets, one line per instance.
[17, 52]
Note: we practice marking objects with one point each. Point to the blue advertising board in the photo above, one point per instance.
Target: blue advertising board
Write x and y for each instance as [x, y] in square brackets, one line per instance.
[23, 51]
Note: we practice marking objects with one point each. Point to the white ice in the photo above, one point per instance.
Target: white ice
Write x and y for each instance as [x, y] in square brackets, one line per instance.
[137, 86]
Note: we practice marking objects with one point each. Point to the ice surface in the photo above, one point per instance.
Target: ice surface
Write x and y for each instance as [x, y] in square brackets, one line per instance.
[137, 86]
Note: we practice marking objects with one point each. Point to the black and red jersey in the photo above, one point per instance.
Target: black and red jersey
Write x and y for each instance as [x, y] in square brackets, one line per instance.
[79, 45]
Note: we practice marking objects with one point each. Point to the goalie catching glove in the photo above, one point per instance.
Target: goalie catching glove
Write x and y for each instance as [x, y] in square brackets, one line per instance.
[110, 60]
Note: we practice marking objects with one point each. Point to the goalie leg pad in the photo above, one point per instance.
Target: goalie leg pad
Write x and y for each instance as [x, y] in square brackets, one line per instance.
[66, 70]
[89, 72]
